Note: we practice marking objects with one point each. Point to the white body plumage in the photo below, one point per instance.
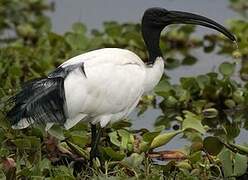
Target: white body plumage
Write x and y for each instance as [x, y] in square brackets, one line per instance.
[110, 87]
[113, 83]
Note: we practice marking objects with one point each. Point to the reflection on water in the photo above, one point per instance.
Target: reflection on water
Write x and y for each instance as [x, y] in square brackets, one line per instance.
[94, 12]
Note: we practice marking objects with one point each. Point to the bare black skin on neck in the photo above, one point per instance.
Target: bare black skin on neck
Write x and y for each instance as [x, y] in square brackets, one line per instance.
[156, 19]
[152, 36]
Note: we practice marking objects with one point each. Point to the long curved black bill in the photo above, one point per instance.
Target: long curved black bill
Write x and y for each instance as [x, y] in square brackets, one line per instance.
[190, 18]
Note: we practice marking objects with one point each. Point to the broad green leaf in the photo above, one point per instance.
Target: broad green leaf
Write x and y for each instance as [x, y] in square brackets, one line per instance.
[114, 138]
[230, 103]
[22, 143]
[57, 132]
[77, 149]
[163, 139]
[196, 157]
[240, 164]
[125, 138]
[189, 60]
[190, 84]
[114, 155]
[192, 121]
[183, 95]
[202, 81]
[133, 161]
[144, 146]
[162, 86]
[159, 128]
[149, 136]
[227, 69]
[171, 101]
[78, 137]
[225, 157]
[172, 63]
[212, 145]
[81, 126]
[121, 124]
[238, 96]
[232, 130]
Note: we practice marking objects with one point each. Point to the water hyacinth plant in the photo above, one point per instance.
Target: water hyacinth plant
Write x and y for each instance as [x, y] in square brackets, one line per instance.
[207, 110]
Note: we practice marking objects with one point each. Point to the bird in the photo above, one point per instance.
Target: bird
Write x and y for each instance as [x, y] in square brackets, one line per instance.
[103, 85]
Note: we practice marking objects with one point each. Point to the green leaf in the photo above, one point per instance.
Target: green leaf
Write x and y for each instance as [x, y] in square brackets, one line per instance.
[183, 95]
[78, 137]
[125, 136]
[230, 103]
[28, 142]
[195, 157]
[192, 121]
[163, 139]
[190, 84]
[171, 101]
[57, 132]
[203, 80]
[121, 124]
[238, 96]
[163, 86]
[240, 164]
[22, 143]
[114, 138]
[227, 69]
[134, 161]
[172, 63]
[114, 155]
[149, 136]
[213, 145]
[77, 149]
[189, 60]
[226, 160]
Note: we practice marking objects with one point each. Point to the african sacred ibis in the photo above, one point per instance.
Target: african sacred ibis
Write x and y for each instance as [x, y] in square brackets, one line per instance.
[102, 85]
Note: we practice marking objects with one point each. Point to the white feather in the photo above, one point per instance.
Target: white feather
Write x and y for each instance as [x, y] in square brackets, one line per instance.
[23, 123]
[114, 82]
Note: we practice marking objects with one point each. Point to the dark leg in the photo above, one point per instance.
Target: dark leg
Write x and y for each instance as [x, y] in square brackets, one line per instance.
[95, 139]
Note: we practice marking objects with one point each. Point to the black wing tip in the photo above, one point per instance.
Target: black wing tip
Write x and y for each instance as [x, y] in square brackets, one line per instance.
[40, 101]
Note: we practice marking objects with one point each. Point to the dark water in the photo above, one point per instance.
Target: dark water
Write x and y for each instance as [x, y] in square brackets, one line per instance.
[94, 12]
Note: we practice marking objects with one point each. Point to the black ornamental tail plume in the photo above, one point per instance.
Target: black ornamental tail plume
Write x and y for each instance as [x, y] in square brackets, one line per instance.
[39, 101]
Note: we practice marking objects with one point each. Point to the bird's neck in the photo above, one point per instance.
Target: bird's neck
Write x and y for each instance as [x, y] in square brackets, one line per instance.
[155, 68]
[153, 74]
[151, 37]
